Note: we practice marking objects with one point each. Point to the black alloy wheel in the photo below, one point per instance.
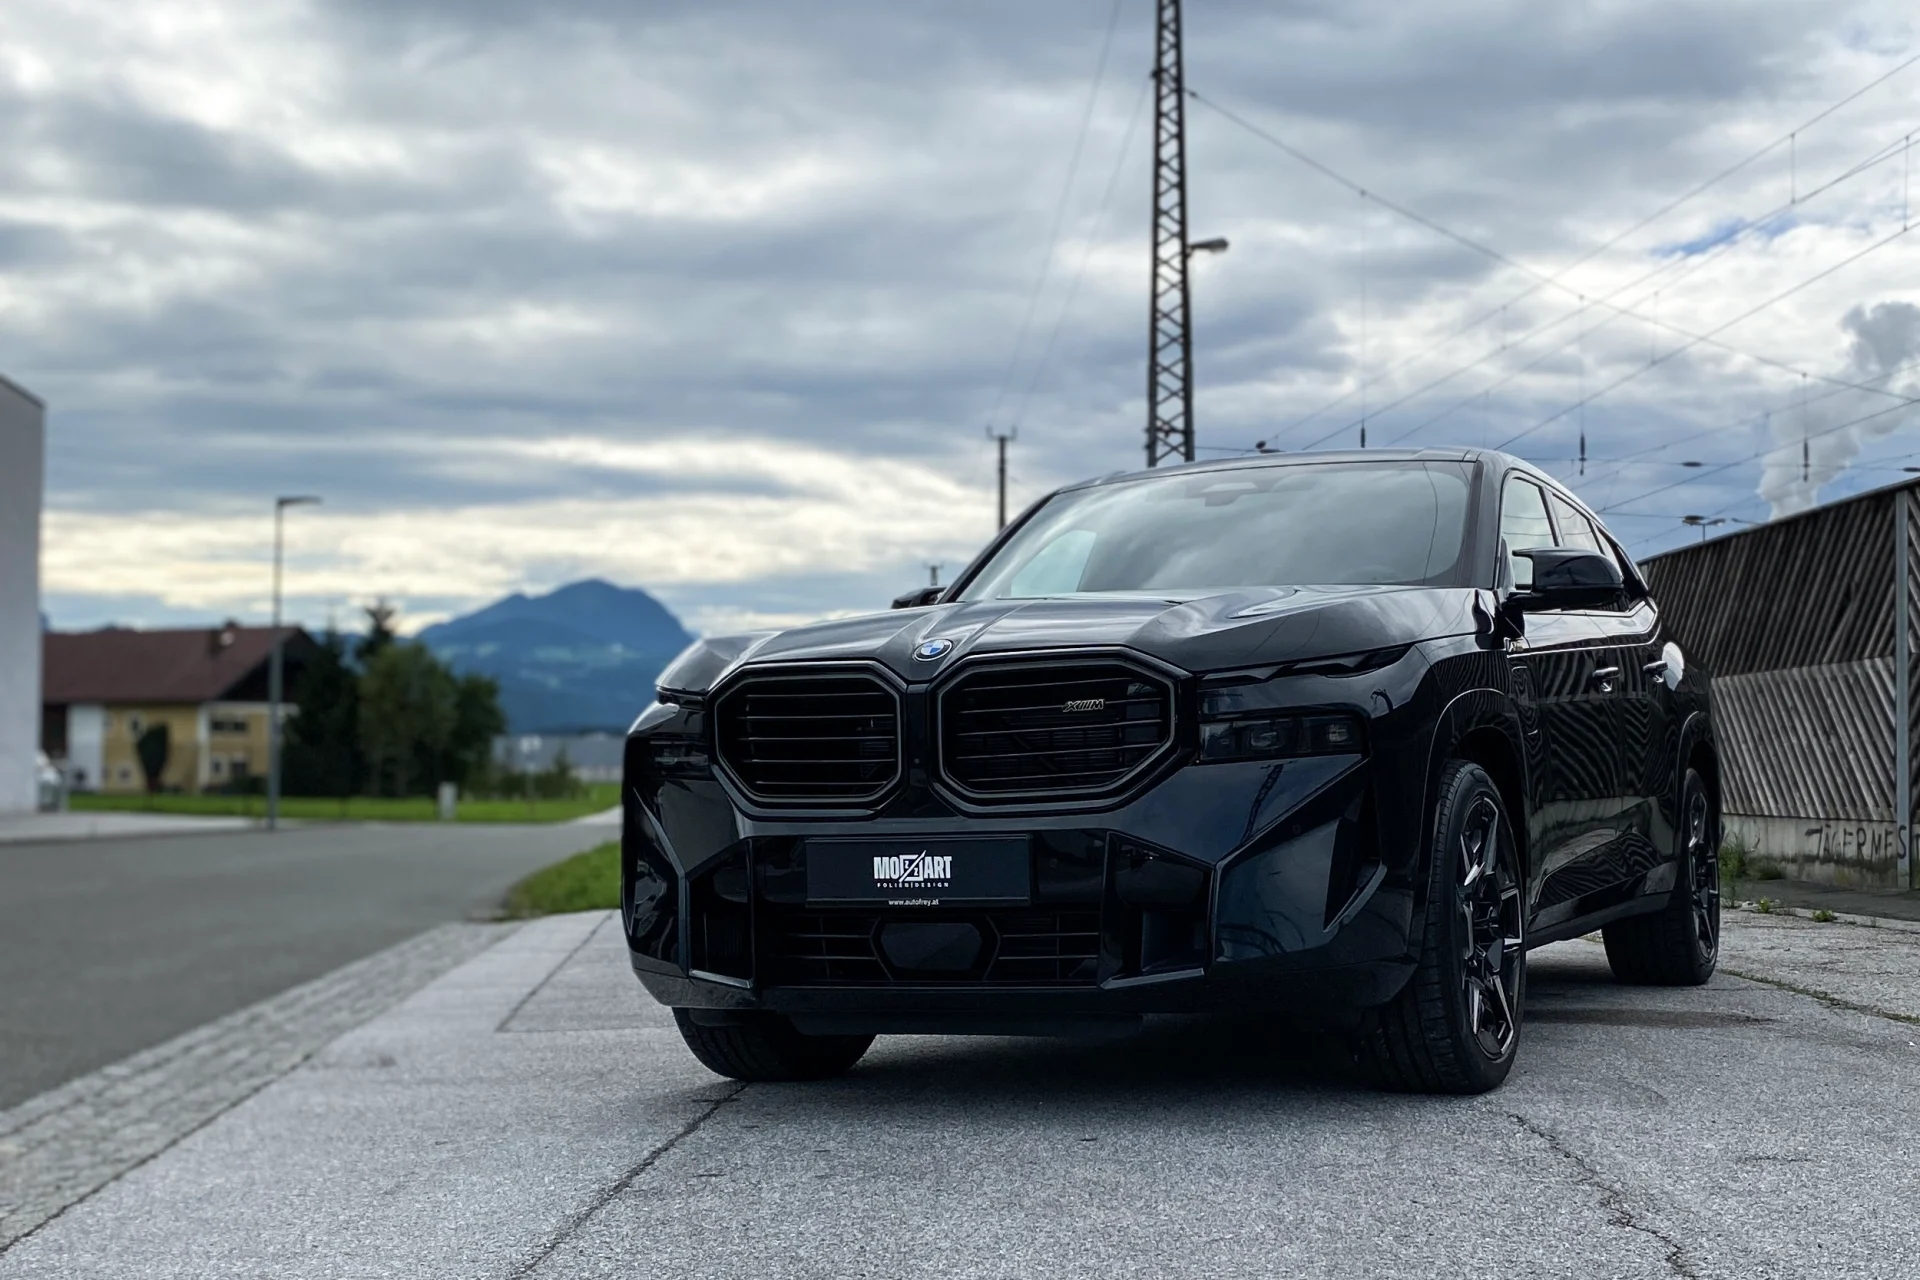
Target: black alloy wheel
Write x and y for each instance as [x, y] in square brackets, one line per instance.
[1703, 867]
[1455, 1026]
[1679, 945]
[1490, 905]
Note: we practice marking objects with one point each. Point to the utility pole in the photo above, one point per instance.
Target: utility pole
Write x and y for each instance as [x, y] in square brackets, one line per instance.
[1169, 334]
[275, 669]
[1000, 438]
[1169, 340]
[933, 575]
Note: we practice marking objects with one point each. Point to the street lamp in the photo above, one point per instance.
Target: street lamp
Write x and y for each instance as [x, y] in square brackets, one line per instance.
[1216, 245]
[1703, 523]
[275, 676]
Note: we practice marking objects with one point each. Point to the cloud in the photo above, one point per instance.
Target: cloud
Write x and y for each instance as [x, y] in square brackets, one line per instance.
[1816, 445]
[717, 298]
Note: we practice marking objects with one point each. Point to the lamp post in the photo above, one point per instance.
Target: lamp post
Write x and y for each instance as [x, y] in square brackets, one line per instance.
[275, 669]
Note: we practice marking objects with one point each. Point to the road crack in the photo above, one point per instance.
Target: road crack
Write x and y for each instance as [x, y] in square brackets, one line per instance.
[1612, 1200]
[613, 1190]
[1824, 997]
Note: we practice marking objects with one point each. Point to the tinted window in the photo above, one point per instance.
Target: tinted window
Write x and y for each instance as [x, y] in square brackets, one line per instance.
[1523, 525]
[1271, 526]
[1575, 529]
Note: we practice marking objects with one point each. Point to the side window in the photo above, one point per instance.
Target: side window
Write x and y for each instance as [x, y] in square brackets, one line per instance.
[1578, 531]
[1523, 525]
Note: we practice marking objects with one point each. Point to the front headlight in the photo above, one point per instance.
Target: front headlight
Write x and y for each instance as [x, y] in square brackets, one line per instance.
[1272, 737]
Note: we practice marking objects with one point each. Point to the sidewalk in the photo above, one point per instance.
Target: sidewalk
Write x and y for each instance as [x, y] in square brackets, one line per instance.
[40, 828]
[1886, 904]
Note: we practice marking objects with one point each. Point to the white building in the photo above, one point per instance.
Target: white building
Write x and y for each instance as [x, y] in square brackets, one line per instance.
[22, 479]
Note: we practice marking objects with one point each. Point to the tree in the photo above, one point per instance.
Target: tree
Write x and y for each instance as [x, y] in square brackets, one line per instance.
[380, 632]
[408, 706]
[477, 721]
[151, 748]
[323, 755]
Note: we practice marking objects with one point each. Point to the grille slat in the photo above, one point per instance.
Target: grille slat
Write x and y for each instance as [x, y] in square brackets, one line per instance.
[826, 737]
[1007, 732]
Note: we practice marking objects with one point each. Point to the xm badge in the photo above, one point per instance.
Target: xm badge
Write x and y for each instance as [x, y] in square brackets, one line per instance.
[1086, 704]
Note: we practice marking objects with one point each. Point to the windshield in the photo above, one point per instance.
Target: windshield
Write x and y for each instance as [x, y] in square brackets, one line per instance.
[1335, 523]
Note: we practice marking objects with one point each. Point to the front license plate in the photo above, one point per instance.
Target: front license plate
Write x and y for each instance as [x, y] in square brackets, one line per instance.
[942, 871]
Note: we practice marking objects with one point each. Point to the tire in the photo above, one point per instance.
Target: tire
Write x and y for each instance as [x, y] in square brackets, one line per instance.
[1679, 945]
[1455, 1026]
[767, 1049]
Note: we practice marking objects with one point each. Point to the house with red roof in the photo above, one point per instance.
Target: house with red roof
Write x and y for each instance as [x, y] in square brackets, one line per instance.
[102, 690]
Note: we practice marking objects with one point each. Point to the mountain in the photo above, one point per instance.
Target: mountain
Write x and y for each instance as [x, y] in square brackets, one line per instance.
[584, 656]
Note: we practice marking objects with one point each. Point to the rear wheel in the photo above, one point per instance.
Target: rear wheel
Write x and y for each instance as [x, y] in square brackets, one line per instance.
[764, 1047]
[1455, 1026]
[1678, 945]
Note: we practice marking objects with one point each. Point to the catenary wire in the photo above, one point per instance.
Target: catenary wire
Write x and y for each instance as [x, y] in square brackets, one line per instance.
[1690, 265]
[1750, 312]
[1073, 286]
[1059, 214]
[1644, 222]
[1693, 339]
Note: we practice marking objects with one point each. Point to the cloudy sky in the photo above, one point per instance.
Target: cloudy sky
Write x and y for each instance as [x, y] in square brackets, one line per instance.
[719, 298]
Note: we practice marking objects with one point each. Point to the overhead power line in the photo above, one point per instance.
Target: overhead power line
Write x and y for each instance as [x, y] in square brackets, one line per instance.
[1755, 456]
[1692, 265]
[1542, 282]
[1693, 339]
[1086, 256]
[1059, 213]
[1749, 313]
[1638, 455]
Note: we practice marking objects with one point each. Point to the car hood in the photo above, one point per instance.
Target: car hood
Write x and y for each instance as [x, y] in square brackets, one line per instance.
[1247, 627]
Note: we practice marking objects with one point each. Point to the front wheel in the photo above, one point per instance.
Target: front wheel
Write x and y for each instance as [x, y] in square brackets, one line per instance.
[1679, 945]
[1455, 1026]
[765, 1047]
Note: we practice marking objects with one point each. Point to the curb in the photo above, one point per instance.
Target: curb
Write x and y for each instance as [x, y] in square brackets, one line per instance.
[1839, 917]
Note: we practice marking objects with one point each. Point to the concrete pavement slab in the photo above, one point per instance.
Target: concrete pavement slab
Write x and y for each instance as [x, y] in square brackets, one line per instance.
[530, 1114]
[63, 1145]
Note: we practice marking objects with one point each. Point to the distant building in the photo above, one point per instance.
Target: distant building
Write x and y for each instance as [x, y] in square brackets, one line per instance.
[593, 757]
[208, 686]
[22, 480]
[1810, 627]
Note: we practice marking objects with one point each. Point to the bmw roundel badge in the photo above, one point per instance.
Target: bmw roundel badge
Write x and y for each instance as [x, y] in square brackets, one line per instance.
[933, 650]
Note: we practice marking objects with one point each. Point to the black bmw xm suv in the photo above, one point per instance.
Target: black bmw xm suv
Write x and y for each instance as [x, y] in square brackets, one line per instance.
[1336, 735]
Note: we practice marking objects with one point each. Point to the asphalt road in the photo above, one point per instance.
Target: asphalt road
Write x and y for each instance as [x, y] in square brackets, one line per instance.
[529, 1114]
[109, 946]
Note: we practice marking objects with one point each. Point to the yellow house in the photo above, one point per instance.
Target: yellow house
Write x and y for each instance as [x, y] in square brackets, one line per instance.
[104, 689]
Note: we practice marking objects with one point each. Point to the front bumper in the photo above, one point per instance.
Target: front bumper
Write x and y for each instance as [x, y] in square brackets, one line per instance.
[1257, 885]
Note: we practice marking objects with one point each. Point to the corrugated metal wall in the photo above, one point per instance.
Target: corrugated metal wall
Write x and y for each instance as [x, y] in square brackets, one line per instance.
[1794, 619]
[1809, 742]
[1803, 592]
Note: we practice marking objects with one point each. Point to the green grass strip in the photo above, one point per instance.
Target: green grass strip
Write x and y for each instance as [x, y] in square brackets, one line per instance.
[599, 796]
[587, 881]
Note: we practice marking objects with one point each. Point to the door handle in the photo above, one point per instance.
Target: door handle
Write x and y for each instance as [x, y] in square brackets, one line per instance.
[1603, 678]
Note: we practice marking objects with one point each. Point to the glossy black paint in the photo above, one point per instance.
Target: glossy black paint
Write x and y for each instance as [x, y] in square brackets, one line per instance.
[1290, 882]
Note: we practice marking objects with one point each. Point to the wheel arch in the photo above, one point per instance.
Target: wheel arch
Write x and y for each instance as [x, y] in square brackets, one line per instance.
[1481, 725]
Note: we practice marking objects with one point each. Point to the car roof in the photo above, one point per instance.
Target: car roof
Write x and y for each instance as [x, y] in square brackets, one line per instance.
[1493, 457]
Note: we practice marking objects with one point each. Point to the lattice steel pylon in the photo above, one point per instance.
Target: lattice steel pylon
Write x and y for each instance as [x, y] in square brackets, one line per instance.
[1169, 337]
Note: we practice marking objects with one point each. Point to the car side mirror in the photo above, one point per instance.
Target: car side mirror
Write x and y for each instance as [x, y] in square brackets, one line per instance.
[918, 598]
[1568, 578]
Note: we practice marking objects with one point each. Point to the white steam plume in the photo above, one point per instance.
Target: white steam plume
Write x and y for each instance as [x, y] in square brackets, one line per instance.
[1885, 338]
